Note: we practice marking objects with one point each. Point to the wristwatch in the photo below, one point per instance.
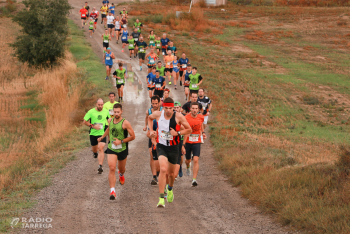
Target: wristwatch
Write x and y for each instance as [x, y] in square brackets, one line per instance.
[178, 133]
[122, 141]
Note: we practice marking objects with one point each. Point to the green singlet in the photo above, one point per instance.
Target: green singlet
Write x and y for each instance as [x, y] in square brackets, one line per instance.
[117, 131]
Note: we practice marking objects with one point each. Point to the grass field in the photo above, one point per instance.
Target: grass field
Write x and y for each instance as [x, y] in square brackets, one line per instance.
[279, 79]
[51, 104]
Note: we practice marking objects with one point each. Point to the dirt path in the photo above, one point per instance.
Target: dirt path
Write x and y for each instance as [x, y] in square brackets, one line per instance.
[78, 199]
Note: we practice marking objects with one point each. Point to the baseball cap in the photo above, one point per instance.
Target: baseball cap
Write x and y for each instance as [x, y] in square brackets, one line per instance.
[177, 104]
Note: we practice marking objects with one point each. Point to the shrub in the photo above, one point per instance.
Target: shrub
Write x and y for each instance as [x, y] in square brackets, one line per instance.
[343, 162]
[43, 33]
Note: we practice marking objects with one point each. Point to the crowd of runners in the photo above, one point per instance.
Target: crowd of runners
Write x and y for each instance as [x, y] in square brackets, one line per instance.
[175, 131]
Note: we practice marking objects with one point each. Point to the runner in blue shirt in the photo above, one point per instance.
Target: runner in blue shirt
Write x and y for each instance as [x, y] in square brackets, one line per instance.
[112, 9]
[164, 41]
[183, 61]
[150, 81]
[108, 57]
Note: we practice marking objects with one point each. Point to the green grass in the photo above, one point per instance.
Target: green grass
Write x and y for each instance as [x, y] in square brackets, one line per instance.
[15, 201]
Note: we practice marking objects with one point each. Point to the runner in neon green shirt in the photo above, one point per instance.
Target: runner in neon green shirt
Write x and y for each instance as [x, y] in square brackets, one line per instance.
[109, 105]
[96, 120]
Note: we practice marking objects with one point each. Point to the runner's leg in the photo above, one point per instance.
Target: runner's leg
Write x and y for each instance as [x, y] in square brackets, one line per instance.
[101, 154]
[195, 166]
[163, 163]
[112, 163]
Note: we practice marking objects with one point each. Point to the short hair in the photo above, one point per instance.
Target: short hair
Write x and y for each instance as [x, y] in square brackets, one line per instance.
[154, 68]
[159, 62]
[155, 97]
[194, 93]
[168, 100]
[189, 65]
[168, 90]
[151, 31]
[195, 68]
[118, 105]
[120, 64]
[201, 89]
[112, 93]
[194, 104]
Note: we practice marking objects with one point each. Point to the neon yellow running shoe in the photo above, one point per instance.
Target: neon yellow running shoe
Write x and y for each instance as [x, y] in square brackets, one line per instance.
[170, 197]
[161, 203]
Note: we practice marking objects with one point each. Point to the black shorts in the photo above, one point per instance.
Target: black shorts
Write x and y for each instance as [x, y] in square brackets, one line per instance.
[131, 49]
[181, 73]
[117, 30]
[105, 44]
[121, 155]
[170, 152]
[110, 26]
[142, 56]
[96, 20]
[119, 85]
[193, 148]
[193, 91]
[103, 16]
[150, 88]
[83, 18]
[93, 140]
[149, 143]
[151, 66]
[159, 93]
[154, 154]
[168, 70]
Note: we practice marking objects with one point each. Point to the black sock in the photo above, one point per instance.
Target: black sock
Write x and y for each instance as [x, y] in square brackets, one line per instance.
[95, 154]
[121, 98]
[154, 177]
[162, 195]
[157, 173]
[100, 165]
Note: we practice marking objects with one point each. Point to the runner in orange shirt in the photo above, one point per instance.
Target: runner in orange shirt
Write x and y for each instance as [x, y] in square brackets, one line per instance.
[83, 15]
[168, 60]
[192, 142]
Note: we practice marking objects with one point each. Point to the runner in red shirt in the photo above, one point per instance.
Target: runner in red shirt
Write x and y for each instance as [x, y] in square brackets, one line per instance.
[192, 143]
[94, 15]
[83, 14]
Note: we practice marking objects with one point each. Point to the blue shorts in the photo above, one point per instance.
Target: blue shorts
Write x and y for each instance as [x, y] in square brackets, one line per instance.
[176, 69]
[110, 66]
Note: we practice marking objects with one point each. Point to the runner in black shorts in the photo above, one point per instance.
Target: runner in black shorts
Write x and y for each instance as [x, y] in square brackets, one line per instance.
[168, 138]
[96, 118]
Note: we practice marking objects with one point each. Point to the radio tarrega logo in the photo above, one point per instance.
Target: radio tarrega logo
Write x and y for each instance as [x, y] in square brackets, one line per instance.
[32, 223]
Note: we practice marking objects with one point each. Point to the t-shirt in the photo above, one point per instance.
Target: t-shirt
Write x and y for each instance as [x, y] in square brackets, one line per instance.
[83, 12]
[187, 107]
[111, 9]
[97, 118]
[109, 107]
[161, 71]
[131, 44]
[110, 19]
[135, 35]
[87, 8]
[196, 126]
[164, 41]
[93, 14]
[150, 79]
[205, 101]
[104, 10]
[142, 46]
[159, 82]
[183, 63]
[172, 49]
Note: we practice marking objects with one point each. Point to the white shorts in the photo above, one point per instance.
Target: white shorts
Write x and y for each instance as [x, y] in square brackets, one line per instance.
[206, 119]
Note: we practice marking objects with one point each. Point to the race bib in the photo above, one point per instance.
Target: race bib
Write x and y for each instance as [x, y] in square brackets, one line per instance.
[184, 65]
[141, 50]
[108, 58]
[158, 45]
[151, 60]
[120, 81]
[83, 15]
[193, 137]
[99, 125]
[105, 41]
[124, 25]
[194, 86]
[136, 39]
[138, 29]
[123, 38]
[168, 63]
[151, 42]
[111, 112]
[116, 146]
[131, 46]
[166, 136]
[158, 86]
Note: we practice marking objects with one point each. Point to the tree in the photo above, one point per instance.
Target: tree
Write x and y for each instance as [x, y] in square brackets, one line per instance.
[45, 29]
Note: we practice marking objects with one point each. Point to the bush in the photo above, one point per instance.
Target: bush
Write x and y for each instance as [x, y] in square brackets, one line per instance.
[44, 33]
[343, 162]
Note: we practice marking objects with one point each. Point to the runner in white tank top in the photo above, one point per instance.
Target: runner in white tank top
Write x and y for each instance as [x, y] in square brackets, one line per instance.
[171, 125]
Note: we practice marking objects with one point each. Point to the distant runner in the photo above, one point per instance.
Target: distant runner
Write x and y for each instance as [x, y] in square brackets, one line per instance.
[94, 15]
[178, 167]
[152, 39]
[117, 151]
[160, 68]
[108, 57]
[119, 74]
[168, 139]
[124, 36]
[104, 10]
[151, 59]
[164, 41]
[168, 60]
[117, 27]
[142, 47]
[112, 9]
[106, 38]
[159, 83]
[138, 25]
[96, 120]
[87, 8]
[195, 80]
[158, 46]
[131, 46]
[187, 81]
[83, 13]
[110, 23]
[91, 26]
[175, 70]
[124, 12]
[207, 105]
[150, 82]
[186, 108]
[183, 61]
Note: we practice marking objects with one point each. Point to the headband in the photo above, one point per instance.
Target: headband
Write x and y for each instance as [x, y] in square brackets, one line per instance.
[168, 104]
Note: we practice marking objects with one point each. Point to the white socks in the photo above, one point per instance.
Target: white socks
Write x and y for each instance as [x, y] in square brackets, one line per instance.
[112, 189]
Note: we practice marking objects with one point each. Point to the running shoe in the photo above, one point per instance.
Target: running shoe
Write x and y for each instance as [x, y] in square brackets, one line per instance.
[134, 56]
[130, 58]
[194, 183]
[140, 68]
[117, 41]
[175, 87]
[170, 197]
[188, 170]
[154, 182]
[100, 170]
[112, 196]
[95, 155]
[180, 172]
[107, 78]
[169, 82]
[176, 178]
[121, 179]
[112, 35]
[161, 203]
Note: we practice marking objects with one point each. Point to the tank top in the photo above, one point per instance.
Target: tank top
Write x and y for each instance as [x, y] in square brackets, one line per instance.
[164, 137]
[117, 131]
[105, 38]
[152, 59]
[117, 24]
[150, 110]
[125, 35]
[151, 39]
[175, 64]
[108, 59]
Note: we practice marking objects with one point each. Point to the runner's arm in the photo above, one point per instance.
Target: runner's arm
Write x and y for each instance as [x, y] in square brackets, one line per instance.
[112, 56]
[200, 80]
[163, 84]
[131, 132]
[146, 121]
[185, 124]
[105, 134]
[152, 117]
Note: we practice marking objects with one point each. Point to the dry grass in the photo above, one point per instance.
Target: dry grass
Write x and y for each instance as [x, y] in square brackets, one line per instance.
[37, 107]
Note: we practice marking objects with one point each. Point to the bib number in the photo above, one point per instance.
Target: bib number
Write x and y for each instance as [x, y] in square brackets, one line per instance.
[142, 50]
[111, 112]
[120, 81]
[158, 86]
[123, 38]
[116, 146]
[131, 46]
[136, 39]
[184, 65]
[158, 45]
[151, 42]
[194, 86]
[151, 60]
[99, 125]
[105, 41]
[108, 58]
[124, 25]
[83, 15]
[193, 137]
[166, 136]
